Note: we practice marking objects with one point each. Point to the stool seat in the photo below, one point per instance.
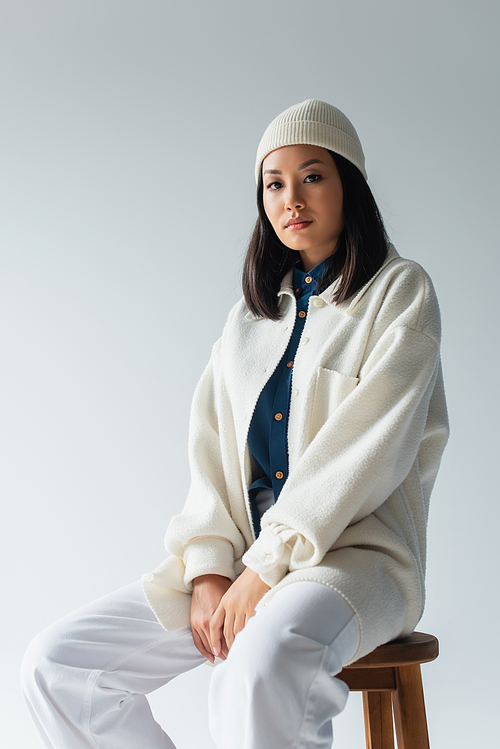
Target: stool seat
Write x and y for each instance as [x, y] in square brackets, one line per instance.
[390, 680]
[416, 648]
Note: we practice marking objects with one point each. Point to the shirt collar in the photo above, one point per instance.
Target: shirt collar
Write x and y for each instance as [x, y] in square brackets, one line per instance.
[301, 279]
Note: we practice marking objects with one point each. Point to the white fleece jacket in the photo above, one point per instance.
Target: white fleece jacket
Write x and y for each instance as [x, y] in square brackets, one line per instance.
[366, 432]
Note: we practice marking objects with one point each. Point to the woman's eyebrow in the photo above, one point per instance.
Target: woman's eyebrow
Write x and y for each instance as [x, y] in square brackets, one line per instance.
[300, 166]
[308, 163]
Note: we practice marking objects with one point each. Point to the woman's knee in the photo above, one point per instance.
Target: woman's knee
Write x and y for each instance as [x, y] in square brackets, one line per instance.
[256, 663]
[52, 652]
[48, 649]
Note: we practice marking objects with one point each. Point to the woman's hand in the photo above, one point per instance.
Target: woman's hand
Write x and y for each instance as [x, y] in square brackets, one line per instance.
[236, 607]
[207, 593]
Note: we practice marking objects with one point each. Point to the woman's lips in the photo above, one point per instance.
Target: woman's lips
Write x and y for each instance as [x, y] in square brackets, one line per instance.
[297, 225]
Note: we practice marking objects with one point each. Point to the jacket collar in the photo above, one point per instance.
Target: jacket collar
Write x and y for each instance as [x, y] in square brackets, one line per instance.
[392, 254]
[348, 306]
[286, 288]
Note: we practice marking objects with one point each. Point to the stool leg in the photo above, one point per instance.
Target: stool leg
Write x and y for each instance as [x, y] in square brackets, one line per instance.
[409, 709]
[378, 720]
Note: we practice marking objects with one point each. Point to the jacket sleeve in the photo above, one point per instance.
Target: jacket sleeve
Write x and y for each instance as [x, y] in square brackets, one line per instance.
[362, 453]
[204, 535]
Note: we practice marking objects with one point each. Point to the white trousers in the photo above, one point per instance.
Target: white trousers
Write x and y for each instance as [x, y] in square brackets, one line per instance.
[86, 676]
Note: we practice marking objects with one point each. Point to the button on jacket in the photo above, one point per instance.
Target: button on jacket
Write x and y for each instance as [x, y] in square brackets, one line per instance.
[368, 426]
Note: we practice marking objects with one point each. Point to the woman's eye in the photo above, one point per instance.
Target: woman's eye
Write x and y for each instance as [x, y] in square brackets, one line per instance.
[274, 185]
[313, 177]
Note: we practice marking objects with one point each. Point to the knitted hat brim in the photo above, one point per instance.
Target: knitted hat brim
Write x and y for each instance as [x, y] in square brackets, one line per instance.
[287, 131]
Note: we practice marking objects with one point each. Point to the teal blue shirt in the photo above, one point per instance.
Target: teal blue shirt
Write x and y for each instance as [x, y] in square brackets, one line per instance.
[267, 437]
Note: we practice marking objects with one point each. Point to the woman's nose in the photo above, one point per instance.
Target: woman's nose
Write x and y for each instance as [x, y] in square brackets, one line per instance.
[293, 200]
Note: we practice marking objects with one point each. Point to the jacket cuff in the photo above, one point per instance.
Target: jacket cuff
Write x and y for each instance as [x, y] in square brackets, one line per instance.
[269, 557]
[208, 556]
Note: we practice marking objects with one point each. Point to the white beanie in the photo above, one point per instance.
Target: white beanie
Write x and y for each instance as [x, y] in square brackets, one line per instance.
[313, 123]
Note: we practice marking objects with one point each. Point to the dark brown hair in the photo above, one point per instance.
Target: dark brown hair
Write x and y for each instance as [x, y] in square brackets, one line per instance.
[361, 248]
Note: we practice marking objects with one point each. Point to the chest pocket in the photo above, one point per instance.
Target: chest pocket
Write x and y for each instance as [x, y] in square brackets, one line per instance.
[331, 389]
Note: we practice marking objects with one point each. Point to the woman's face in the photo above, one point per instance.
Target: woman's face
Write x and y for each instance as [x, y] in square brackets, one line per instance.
[303, 200]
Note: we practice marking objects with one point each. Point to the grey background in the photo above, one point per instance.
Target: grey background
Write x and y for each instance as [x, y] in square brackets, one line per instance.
[127, 198]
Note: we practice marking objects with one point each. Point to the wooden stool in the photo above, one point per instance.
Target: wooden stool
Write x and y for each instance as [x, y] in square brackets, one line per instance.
[390, 679]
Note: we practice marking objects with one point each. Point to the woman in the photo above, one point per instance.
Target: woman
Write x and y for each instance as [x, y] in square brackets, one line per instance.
[315, 437]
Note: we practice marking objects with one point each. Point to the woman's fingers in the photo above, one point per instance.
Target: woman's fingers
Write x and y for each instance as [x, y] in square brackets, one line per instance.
[208, 591]
[233, 609]
[216, 630]
[202, 644]
[229, 629]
